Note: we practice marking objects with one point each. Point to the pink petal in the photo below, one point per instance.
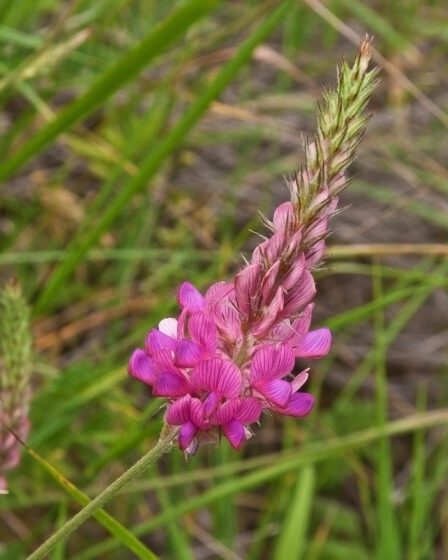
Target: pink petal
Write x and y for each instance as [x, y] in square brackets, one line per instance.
[284, 217]
[294, 274]
[276, 391]
[169, 327]
[163, 361]
[157, 340]
[141, 367]
[318, 229]
[270, 281]
[259, 254]
[186, 435]
[228, 320]
[300, 404]
[188, 353]
[299, 380]
[217, 292]
[249, 410]
[225, 412]
[203, 331]
[210, 404]
[235, 433]
[262, 362]
[284, 360]
[269, 315]
[197, 413]
[315, 344]
[315, 254]
[272, 362]
[178, 412]
[190, 298]
[275, 247]
[171, 385]
[301, 325]
[299, 296]
[247, 286]
[220, 376]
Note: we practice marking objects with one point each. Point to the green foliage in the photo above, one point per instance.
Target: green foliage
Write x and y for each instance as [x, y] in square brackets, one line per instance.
[138, 140]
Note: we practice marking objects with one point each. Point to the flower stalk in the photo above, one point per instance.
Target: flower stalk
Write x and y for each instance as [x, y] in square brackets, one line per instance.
[163, 446]
[230, 355]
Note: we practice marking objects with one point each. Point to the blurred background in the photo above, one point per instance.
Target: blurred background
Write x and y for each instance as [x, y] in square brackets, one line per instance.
[138, 141]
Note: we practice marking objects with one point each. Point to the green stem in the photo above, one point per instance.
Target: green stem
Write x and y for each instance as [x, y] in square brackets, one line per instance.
[162, 446]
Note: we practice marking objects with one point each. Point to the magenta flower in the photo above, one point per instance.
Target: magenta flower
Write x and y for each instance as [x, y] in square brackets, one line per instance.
[231, 355]
[223, 364]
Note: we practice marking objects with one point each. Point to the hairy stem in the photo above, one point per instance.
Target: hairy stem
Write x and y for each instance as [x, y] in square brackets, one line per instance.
[163, 445]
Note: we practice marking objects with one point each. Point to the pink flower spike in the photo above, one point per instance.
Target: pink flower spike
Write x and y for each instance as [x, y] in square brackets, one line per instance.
[186, 435]
[219, 376]
[141, 367]
[235, 433]
[277, 391]
[190, 298]
[300, 404]
[316, 344]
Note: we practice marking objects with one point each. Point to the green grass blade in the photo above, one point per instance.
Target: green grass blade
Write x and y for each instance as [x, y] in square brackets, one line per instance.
[125, 537]
[151, 165]
[291, 541]
[130, 64]
[315, 453]
[388, 542]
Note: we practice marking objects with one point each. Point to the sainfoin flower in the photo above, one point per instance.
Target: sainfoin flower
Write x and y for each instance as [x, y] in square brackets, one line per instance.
[230, 356]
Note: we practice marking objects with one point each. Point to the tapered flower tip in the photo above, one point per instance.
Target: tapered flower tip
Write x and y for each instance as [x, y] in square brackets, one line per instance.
[300, 404]
[141, 367]
[235, 433]
[190, 298]
[316, 344]
[218, 376]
